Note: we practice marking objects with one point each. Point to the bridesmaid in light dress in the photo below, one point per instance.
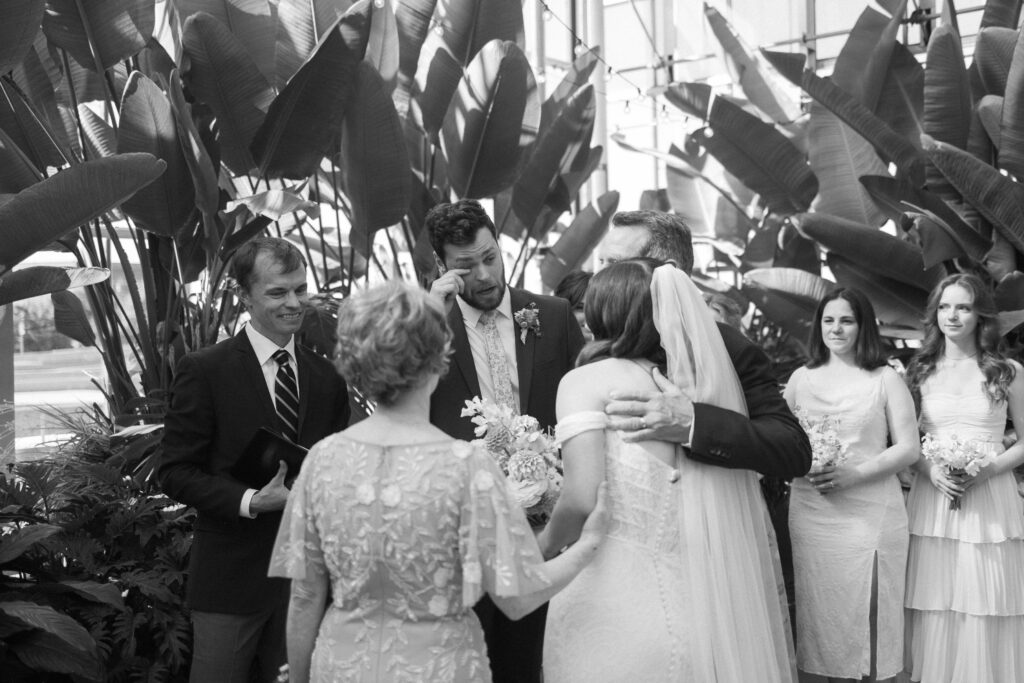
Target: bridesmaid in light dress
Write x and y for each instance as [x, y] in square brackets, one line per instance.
[965, 575]
[847, 520]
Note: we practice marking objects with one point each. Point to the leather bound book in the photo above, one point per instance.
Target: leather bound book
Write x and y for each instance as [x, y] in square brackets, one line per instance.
[259, 461]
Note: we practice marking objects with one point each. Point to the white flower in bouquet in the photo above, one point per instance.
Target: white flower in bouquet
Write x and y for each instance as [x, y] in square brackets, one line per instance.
[823, 433]
[956, 456]
[526, 454]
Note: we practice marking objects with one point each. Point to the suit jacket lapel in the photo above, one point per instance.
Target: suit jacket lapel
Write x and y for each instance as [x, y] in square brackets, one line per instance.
[304, 383]
[462, 354]
[524, 351]
[252, 375]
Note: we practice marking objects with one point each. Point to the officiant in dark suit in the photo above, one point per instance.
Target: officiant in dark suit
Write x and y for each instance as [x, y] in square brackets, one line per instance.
[221, 396]
[512, 347]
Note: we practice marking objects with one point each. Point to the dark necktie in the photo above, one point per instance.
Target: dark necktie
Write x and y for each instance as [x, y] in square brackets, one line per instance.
[286, 396]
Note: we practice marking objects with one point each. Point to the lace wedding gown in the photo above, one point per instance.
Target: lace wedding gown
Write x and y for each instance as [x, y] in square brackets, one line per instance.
[409, 537]
[965, 574]
[686, 586]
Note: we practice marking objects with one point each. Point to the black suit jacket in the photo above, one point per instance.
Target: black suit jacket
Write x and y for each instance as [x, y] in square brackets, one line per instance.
[541, 362]
[771, 441]
[219, 399]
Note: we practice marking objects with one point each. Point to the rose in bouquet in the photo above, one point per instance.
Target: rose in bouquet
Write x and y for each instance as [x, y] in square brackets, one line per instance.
[526, 454]
[823, 433]
[956, 456]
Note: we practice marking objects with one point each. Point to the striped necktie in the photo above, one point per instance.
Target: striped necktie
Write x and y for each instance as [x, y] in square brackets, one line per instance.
[286, 396]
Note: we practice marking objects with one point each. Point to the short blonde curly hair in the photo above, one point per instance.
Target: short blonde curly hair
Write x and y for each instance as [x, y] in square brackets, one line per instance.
[390, 337]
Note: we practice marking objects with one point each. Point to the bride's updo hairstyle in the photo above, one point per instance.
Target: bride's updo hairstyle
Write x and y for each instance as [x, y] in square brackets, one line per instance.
[620, 314]
[997, 370]
[390, 338]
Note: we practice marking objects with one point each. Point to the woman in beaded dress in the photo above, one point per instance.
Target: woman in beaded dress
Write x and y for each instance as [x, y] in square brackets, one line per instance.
[847, 519]
[965, 574]
[393, 530]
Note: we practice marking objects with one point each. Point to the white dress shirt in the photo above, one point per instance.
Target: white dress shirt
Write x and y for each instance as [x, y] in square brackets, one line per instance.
[265, 350]
[478, 346]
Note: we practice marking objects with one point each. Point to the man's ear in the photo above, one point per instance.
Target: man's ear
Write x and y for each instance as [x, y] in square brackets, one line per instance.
[672, 262]
[440, 264]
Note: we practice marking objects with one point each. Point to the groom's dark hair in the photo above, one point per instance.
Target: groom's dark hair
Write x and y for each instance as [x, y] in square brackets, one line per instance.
[620, 313]
[668, 236]
[456, 223]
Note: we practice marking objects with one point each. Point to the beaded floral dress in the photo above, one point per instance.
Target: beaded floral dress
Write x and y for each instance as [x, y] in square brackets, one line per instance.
[409, 538]
[965, 574]
[839, 537]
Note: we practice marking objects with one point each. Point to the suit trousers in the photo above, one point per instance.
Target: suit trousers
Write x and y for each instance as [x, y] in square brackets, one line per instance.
[515, 648]
[238, 648]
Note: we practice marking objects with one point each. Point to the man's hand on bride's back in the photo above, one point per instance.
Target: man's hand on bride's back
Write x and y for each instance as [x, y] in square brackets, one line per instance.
[664, 415]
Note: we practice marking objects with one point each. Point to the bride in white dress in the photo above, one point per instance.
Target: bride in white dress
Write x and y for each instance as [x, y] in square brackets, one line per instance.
[685, 586]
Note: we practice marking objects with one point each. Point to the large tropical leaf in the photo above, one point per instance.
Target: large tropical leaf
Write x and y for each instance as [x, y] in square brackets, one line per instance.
[31, 131]
[98, 135]
[147, 125]
[1010, 292]
[38, 76]
[579, 239]
[873, 249]
[200, 165]
[14, 544]
[1005, 13]
[787, 296]
[688, 202]
[839, 156]
[889, 145]
[759, 155]
[492, 121]
[377, 179]
[304, 121]
[997, 197]
[864, 60]
[993, 54]
[36, 216]
[553, 156]
[461, 29]
[59, 644]
[575, 78]
[1011, 156]
[99, 34]
[275, 204]
[382, 49]
[18, 30]
[989, 111]
[413, 18]
[223, 75]
[901, 102]
[895, 302]
[693, 99]
[947, 100]
[898, 196]
[70, 319]
[301, 24]
[465, 27]
[755, 75]
[16, 171]
[38, 280]
[253, 22]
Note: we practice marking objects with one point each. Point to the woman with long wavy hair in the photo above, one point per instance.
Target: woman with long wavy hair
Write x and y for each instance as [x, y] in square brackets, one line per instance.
[846, 517]
[965, 573]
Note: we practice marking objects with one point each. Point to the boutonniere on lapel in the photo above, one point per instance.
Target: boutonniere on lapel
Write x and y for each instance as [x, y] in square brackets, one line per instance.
[528, 320]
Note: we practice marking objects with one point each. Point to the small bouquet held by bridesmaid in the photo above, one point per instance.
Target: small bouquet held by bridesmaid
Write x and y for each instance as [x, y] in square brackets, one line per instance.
[956, 456]
[826, 446]
[526, 453]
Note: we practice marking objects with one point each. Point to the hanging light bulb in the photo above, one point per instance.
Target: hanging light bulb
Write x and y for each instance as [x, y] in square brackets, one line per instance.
[547, 13]
[625, 110]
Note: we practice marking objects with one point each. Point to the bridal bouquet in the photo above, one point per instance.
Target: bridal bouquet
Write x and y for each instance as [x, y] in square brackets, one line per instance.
[527, 454]
[956, 456]
[826, 446]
